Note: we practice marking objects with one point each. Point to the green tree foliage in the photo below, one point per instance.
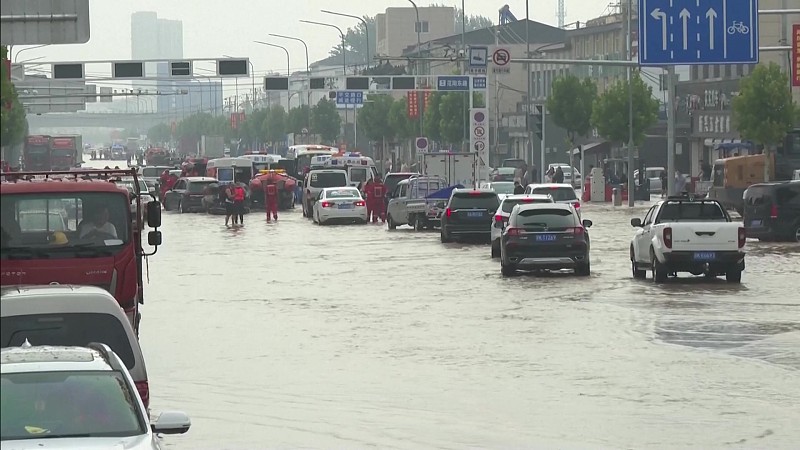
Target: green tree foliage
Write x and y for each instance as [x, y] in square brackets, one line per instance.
[432, 120]
[384, 69]
[763, 111]
[325, 120]
[473, 22]
[570, 105]
[355, 40]
[373, 117]
[453, 117]
[159, 133]
[275, 124]
[13, 124]
[252, 130]
[297, 119]
[610, 111]
[200, 124]
[401, 126]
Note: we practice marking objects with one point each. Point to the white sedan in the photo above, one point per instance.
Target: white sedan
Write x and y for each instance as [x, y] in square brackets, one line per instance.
[339, 205]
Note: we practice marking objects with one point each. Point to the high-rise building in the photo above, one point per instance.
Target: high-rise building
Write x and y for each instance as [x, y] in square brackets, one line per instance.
[154, 38]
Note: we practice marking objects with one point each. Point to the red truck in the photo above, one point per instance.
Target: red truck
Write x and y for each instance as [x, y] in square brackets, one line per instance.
[65, 152]
[36, 153]
[77, 227]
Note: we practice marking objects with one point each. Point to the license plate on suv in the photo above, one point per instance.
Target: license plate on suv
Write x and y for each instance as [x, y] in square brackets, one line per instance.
[705, 256]
[545, 237]
[475, 214]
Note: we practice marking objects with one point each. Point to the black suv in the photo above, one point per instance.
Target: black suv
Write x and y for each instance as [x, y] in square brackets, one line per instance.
[542, 236]
[772, 211]
[469, 213]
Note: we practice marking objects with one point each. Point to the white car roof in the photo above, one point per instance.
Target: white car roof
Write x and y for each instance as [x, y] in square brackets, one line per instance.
[47, 358]
[57, 299]
[341, 188]
[527, 206]
[523, 196]
[550, 185]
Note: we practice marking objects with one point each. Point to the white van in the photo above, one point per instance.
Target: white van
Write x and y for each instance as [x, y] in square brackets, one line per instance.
[317, 180]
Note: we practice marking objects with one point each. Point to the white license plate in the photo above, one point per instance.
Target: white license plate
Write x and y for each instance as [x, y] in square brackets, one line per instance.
[345, 206]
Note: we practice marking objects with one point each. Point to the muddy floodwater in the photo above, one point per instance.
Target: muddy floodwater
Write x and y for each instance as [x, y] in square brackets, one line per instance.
[292, 335]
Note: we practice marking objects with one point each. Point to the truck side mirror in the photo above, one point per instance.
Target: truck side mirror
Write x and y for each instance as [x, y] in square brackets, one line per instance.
[154, 238]
[154, 214]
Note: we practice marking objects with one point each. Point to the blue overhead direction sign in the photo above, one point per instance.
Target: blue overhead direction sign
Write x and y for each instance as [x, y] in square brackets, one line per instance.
[349, 97]
[478, 82]
[681, 32]
[452, 83]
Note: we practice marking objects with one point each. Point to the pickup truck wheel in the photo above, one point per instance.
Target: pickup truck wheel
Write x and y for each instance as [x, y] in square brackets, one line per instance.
[659, 271]
[638, 273]
[733, 276]
[390, 223]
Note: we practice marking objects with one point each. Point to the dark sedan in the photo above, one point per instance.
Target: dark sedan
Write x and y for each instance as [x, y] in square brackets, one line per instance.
[187, 194]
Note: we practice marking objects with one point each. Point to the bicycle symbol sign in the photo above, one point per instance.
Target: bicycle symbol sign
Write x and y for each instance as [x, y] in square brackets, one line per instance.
[738, 27]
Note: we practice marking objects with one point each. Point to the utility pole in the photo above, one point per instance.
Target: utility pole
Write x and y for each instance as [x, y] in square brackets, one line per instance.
[631, 184]
[670, 129]
[529, 137]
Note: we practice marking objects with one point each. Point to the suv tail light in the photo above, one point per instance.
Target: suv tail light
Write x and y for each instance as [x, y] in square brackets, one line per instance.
[361, 203]
[448, 212]
[144, 391]
[773, 212]
[499, 218]
[742, 237]
[514, 231]
[577, 231]
[326, 204]
[668, 237]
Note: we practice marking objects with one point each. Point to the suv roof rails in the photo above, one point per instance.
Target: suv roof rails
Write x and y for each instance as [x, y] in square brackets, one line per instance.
[105, 351]
[690, 196]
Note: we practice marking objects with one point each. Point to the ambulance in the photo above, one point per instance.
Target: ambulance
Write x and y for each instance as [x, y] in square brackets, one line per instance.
[359, 168]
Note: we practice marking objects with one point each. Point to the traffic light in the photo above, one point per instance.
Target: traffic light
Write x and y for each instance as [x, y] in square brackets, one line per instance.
[538, 120]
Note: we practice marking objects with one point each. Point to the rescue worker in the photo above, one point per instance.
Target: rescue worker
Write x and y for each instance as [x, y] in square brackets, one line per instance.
[168, 185]
[378, 194]
[238, 203]
[368, 198]
[271, 199]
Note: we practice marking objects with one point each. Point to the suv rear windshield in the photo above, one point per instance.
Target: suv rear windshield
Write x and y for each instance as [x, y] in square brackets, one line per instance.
[197, 187]
[559, 194]
[550, 218]
[509, 204]
[482, 200]
[70, 329]
[328, 179]
[788, 194]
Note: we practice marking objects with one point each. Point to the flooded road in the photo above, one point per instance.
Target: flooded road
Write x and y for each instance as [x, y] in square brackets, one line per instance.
[294, 335]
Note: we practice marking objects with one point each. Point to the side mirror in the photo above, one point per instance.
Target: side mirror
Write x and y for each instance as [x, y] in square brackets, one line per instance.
[171, 422]
[153, 212]
[154, 238]
[587, 223]
[637, 222]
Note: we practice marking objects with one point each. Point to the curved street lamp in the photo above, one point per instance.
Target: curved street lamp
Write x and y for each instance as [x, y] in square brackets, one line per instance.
[288, 63]
[308, 74]
[341, 33]
[366, 28]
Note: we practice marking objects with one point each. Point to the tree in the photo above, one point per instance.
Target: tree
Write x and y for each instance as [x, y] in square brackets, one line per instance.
[453, 117]
[13, 124]
[200, 124]
[401, 126]
[297, 119]
[373, 117]
[384, 69]
[473, 22]
[275, 124]
[763, 111]
[159, 133]
[355, 40]
[325, 120]
[610, 111]
[570, 105]
[432, 120]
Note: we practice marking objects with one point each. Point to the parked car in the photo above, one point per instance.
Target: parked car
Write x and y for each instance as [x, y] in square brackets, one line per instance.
[542, 236]
[71, 315]
[502, 188]
[469, 214]
[503, 174]
[187, 194]
[339, 205]
[688, 234]
[76, 398]
[504, 212]
[653, 174]
[317, 180]
[772, 211]
[561, 193]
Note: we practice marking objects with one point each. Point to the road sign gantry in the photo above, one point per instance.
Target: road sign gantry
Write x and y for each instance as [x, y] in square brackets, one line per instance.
[684, 32]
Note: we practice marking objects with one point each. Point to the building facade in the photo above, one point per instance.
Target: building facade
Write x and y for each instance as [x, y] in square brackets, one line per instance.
[397, 28]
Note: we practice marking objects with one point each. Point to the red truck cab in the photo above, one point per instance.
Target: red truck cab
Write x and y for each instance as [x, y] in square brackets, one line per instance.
[76, 227]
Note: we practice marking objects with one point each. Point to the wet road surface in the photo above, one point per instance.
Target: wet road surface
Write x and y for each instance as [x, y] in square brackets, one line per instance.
[294, 335]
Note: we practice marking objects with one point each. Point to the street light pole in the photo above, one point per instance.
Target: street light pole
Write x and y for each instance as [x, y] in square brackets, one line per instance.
[631, 186]
[28, 48]
[366, 28]
[529, 137]
[308, 74]
[418, 27]
[288, 65]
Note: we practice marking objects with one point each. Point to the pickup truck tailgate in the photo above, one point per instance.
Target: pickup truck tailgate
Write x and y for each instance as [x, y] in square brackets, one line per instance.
[700, 236]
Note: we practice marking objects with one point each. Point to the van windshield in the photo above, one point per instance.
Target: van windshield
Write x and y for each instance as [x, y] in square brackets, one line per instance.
[328, 179]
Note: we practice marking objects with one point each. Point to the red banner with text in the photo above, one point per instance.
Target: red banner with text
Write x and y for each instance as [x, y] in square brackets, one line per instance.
[413, 105]
[796, 55]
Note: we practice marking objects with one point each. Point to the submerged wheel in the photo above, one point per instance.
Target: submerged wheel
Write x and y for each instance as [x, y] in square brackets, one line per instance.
[659, 271]
[733, 276]
[507, 271]
[389, 222]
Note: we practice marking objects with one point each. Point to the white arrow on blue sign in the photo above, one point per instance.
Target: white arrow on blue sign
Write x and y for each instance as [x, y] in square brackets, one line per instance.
[678, 32]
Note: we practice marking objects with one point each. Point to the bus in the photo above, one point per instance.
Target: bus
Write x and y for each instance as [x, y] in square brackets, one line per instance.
[302, 154]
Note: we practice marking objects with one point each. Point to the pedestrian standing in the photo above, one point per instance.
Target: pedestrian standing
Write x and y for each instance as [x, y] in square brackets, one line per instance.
[271, 200]
[238, 203]
[227, 199]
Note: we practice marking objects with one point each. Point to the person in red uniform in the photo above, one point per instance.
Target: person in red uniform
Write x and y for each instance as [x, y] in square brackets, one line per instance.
[366, 189]
[378, 194]
[167, 185]
[271, 199]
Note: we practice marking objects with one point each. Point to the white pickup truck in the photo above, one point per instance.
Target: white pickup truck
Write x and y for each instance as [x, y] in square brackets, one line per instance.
[688, 234]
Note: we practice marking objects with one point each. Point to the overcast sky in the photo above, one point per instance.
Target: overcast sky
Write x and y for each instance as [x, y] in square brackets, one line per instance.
[213, 28]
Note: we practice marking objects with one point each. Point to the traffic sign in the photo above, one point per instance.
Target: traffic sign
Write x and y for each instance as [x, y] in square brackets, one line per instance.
[480, 131]
[478, 59]
[452, 83]
[478, 139]
[349, 97]
[478, 82]
[681, 32]
[501, 59]
[480, 146]
[422, 144]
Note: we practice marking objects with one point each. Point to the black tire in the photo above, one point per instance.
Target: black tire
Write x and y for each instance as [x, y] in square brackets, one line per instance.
[584, 270]
[389, 222]
[166, 206]
[495, 250]
[638, 273]
[419, 224]
[733, 276]
[797, 233]
[181, 208]
[659, 271]
[444, 237]
[507, 271]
